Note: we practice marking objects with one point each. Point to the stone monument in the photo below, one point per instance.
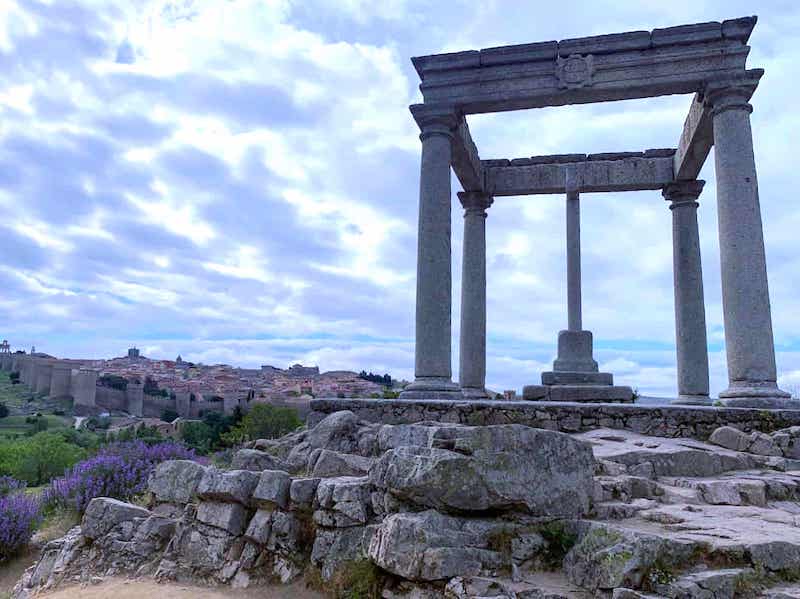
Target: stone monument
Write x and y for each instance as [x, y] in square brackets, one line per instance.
[707, 60]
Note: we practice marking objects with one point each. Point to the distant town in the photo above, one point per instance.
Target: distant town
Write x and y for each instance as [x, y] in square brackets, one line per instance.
[217, 380]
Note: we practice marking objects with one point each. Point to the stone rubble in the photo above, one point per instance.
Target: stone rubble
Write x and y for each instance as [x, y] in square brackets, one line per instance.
[448, 510]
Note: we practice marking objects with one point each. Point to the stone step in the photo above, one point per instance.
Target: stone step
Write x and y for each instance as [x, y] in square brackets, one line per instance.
[620, 510]
[712, 584]
[789, 591]
[671, 539]
[745, 488]
[652, 457]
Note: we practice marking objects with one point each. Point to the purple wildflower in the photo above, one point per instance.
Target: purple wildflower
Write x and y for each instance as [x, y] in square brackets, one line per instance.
[20, 514]
[119, 470]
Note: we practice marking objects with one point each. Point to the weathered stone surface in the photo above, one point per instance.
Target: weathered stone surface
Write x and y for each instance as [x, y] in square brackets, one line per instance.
[667, 457]
[231, 485]
[256, 461]
[336, 432]
[323, 463]
[231, 517]
[260, 527]
[609, 557]
[497, 467]
[102, 514]
[730, 438]
[302, 492]
[272, 489]
[333, 547]
[343, 501]
[431, 546]
[175, 481]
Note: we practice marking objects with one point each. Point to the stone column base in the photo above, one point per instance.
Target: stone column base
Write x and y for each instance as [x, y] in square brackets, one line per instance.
[754, 395]
[577, 378]
[432, 388]
[474, 393]
[692, 400]
[578, 393]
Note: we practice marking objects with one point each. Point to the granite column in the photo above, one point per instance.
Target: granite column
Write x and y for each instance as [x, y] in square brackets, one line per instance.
[749, 341]
[432, 364]
[690, 311]
[472, 354]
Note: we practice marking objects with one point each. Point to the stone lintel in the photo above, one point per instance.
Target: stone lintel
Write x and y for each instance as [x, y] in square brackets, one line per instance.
[696, 140]
[636, 64]
[542, 176]
[466, 161]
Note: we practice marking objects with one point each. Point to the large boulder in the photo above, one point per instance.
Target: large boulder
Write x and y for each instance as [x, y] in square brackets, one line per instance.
[175, 481]
[337, 432]
[428, 546]
[104, 513]
[324, 463]
[475, 469]
[228, 486]
[256, 461]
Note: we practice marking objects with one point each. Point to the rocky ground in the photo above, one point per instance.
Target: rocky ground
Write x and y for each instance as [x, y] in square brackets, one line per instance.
[444, 510]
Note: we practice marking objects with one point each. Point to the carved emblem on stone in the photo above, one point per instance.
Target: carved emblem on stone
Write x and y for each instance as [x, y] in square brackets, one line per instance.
[575, 70]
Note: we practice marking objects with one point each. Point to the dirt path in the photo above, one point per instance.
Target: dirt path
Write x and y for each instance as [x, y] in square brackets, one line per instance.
[119, 588]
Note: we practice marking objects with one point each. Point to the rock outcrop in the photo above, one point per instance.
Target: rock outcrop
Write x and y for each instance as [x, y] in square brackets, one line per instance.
[445, 510]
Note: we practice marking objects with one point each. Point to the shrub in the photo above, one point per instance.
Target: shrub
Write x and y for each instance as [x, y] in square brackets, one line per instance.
[98, 423]
[20, 514]
[14, 376]
[3, 410]
[264, 421]
[119, 470]
[39, 458]
[169, 415]
[198, 436]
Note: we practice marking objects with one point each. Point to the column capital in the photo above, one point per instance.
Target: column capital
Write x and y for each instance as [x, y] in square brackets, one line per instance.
[435, 119]
[683, 193]
[475, 201]
[732, 93]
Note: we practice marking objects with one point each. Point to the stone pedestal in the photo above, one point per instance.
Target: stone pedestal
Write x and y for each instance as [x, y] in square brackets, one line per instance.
[61, 380]
[745, 291]
[135, 396]
[575, 375]
[432, 365]
[472, 354]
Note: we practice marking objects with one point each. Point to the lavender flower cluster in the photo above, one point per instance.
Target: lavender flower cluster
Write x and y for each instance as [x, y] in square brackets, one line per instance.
[9, 484]
[20, 514]
[119, 470]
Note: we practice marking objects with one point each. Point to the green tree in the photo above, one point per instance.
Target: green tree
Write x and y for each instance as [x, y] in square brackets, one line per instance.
[40, 458]
[169, 415]
[264, 421]
[3, 410]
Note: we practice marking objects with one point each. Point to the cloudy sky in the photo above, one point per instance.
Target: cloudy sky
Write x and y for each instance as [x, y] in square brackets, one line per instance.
[236, 181]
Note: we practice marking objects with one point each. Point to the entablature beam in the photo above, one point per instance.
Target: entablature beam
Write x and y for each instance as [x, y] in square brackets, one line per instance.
[624, 171]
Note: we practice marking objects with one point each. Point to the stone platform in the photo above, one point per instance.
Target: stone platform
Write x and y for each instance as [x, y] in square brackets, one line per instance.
[696, 422]
[588, 393]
